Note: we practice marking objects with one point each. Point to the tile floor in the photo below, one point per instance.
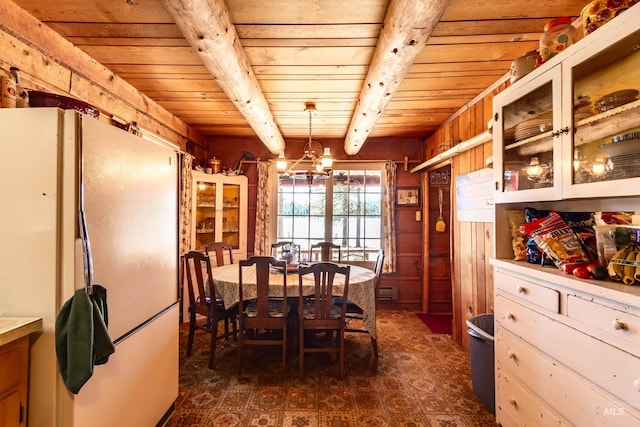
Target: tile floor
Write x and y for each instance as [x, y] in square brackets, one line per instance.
[422, 379]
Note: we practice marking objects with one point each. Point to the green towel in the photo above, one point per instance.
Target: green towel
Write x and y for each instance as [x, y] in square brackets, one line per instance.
[82, 338]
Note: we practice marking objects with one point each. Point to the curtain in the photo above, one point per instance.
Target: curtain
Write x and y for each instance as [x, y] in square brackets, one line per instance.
[185, 203]
[263, 212]
[389, 219]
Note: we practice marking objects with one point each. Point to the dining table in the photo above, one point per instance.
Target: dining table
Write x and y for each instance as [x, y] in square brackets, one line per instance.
[362, 287]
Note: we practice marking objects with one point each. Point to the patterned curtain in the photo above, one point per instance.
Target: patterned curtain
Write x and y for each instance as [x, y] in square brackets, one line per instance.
[185, 203]
[263, 211]
[389, 219]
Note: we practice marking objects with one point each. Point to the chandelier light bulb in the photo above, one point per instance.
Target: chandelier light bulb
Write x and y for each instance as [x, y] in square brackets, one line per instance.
[327, 161]
[281, 164]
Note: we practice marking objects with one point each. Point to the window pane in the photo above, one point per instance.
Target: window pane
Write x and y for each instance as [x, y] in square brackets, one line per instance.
[340, 205]
[373, 227]
[373, 204]
[351, 218]
[300, 227]
[301, 204]
[318, 204]
[316, 230]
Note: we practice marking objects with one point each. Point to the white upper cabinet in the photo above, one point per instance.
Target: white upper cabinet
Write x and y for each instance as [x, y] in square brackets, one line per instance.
[571, 128]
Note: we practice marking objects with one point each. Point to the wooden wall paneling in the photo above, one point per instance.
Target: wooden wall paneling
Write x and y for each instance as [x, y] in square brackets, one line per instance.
[426, 241]
[44, 56]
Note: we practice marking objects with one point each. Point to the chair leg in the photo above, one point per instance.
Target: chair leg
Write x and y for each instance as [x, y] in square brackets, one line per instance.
[214, 336]
[374, 363]
[341, 338]
[192, 329]
[240, 350]
[226, 328]
[374, 344]
[284, 346]
[301, 350]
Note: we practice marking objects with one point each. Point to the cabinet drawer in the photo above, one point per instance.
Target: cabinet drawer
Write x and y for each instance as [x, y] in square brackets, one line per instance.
[620, 328]
[530, 292]
[607, 367]
[558, 387]
[516, 407]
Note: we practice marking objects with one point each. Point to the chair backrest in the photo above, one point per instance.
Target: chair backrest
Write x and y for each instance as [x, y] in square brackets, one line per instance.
[279, 249]
[378, 271]
[220, 249]
[263, 265]
[324, 275]
[197, 286]
[326, 251]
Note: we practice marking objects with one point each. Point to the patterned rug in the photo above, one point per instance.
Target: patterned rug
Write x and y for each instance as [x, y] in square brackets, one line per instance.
[422, 379]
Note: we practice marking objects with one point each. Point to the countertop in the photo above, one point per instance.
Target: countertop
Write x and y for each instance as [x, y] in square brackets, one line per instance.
[14, 328]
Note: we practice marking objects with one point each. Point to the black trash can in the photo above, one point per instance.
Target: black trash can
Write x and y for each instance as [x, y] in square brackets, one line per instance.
[481, 352]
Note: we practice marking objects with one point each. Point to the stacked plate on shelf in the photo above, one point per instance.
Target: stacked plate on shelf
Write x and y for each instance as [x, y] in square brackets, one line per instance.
[624, 156]
[582, 108]
[533, 127]
[615, 99]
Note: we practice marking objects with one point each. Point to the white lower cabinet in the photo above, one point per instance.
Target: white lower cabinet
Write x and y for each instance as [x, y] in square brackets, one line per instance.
[574, 360]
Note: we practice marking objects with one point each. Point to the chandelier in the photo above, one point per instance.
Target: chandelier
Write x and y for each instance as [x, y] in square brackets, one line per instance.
[320, 159]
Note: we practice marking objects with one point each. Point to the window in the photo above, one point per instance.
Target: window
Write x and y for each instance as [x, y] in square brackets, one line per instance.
[345, 208]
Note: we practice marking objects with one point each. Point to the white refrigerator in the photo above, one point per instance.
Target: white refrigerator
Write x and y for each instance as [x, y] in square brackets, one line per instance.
[131, 209]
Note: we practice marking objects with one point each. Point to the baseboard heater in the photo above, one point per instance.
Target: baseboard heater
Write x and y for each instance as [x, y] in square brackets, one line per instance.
[388, 293]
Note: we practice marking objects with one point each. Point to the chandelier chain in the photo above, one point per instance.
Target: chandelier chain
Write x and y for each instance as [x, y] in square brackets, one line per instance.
[310, 114]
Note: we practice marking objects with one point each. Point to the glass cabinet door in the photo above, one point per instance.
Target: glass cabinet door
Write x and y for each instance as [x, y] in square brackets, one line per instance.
[528, 134]
[205, 214]
[231, 214]
[219, 211]
[605, 111]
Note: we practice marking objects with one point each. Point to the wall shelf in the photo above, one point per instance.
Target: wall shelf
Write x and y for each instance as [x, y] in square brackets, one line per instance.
[459, 148]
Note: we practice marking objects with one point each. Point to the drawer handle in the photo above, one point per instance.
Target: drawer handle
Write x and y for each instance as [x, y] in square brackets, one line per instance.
[511, 354]
[522, 290]
[513, 401]
[618, 325]
[636, 384]
[510, 315]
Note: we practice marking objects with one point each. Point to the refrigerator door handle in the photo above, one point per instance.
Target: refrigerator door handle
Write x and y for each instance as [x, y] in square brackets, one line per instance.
[82, 224]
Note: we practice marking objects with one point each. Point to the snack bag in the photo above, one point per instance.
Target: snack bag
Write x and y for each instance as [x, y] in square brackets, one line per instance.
[532, 252]
[556, 239]
[518, 239]
[581, 223]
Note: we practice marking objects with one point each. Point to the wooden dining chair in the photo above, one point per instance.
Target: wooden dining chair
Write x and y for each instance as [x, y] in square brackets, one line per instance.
[263, 321]
[320, 314]
[327, 250]
[223, 252]
[278, 248]
[354, 315]
[203, 304]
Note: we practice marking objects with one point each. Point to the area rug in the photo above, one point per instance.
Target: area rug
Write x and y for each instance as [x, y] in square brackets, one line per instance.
[437, 323]
[422, 380]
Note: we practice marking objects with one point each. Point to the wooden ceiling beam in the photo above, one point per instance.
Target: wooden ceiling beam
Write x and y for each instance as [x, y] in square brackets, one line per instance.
[208, 28]
[407, 27]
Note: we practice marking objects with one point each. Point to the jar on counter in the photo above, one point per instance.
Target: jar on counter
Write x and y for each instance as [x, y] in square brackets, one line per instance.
[558, 34]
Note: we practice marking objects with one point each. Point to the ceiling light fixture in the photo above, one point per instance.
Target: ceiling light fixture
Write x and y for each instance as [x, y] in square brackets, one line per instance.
[319, 157]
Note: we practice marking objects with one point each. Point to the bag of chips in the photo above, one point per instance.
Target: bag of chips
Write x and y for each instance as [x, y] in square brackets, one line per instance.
[556, 239]
[518, 238]
[581, 223]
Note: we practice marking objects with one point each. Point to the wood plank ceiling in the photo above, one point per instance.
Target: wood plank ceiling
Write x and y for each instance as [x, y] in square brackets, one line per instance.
[306, 50]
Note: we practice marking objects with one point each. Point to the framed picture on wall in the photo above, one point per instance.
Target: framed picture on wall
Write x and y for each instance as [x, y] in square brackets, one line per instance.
[408, 196]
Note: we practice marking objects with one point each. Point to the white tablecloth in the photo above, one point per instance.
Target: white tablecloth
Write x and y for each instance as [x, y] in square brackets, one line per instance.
[361, 288]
